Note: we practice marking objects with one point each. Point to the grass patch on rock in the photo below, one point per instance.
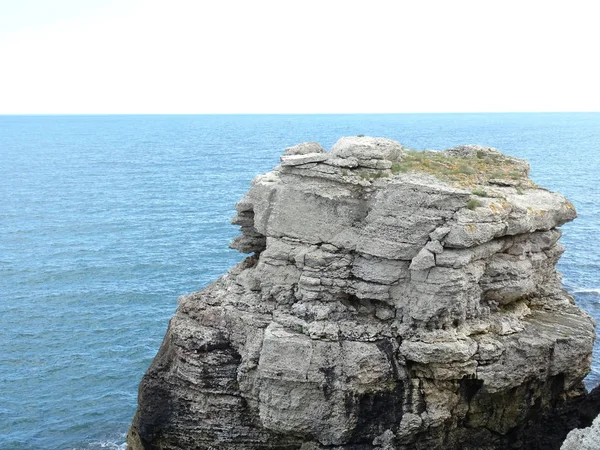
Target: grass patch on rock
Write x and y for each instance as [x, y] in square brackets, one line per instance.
[473, 203]
[476, 168]
[479, 192]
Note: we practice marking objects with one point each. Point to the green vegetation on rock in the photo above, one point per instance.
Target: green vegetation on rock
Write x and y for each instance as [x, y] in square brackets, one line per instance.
[479, 192]
[473, 169]
[473, 203]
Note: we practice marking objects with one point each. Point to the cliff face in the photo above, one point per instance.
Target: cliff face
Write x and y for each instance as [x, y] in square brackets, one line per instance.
[394, 300]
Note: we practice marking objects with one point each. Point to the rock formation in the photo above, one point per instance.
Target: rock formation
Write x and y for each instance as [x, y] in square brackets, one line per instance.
[584, 439]
[393, 300]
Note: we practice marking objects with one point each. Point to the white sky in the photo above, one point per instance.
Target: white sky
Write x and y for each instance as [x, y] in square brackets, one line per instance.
[327, 56]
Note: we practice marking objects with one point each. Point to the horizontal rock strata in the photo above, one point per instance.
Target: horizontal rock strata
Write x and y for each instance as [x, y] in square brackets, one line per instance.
[393, 300]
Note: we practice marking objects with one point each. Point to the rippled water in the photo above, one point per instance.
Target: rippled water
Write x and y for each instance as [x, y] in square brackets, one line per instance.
[105, 220]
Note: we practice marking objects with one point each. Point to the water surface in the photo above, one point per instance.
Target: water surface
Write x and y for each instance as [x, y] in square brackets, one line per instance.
[106, 220]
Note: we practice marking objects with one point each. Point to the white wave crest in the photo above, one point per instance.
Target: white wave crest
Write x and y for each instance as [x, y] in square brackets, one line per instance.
[108, 445]
[587, 291]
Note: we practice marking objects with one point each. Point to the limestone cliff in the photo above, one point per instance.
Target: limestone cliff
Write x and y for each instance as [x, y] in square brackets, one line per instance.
[393, 300]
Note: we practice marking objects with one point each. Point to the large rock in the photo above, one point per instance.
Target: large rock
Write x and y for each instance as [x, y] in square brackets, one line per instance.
[584, 439]
[382, 308]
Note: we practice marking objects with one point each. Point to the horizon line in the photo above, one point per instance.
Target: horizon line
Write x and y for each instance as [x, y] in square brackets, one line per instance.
[297, 114]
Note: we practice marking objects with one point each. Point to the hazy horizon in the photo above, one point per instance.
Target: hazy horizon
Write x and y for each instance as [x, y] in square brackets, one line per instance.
[299, 114]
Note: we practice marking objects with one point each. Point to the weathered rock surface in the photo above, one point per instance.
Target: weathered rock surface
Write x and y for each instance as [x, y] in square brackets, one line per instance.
[381, 309]
[584, 439]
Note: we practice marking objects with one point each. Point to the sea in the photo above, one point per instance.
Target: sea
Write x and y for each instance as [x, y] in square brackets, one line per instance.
[106, 220]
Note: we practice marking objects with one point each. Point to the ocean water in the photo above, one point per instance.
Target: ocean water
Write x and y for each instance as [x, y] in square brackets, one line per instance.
[106, 220]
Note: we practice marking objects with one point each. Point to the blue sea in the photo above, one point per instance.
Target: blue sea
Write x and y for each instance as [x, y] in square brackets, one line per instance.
[106, 220]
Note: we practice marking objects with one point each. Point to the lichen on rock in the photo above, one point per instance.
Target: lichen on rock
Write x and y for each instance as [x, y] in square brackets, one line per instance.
[378, 310]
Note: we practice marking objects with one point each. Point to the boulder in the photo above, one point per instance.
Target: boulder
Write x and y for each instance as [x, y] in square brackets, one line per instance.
[584, 439]
[304, 148]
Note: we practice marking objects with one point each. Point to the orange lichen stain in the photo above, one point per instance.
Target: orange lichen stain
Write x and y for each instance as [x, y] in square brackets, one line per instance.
[471, 228]
[505, 204]
[535, 212]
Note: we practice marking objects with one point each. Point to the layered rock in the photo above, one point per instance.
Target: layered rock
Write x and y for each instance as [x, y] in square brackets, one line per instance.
[393, 300]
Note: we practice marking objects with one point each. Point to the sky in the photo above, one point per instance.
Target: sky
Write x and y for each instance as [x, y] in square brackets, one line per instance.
[290, 56]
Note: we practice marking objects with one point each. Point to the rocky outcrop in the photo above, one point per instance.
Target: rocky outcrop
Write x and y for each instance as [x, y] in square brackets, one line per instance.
[393, 300]
[584, 439]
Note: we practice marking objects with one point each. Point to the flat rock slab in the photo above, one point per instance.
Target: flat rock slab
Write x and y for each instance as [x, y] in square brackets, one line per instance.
[297, 160]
